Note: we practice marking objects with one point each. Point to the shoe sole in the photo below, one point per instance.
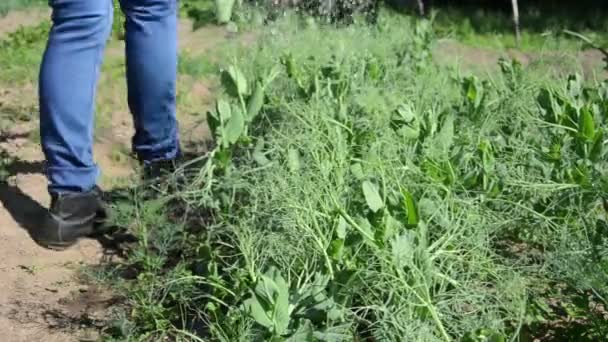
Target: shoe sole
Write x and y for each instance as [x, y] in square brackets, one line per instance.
[98, 227]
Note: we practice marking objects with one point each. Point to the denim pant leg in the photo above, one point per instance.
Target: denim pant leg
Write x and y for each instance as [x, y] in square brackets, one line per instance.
[68, 78]
[151, 53]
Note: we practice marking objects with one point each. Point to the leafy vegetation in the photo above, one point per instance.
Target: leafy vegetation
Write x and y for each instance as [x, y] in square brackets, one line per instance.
[21, 52]
[359, 191]
[10, 5]
[542, 24]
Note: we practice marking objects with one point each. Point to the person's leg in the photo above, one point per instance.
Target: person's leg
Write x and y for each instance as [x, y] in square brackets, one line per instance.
[151, 53]
[68, 79]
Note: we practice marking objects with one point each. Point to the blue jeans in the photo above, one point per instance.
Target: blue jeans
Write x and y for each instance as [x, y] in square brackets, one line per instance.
[68, 81]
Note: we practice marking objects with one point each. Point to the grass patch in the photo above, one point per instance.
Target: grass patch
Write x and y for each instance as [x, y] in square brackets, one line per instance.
[358, 191]
[202, 13]
[196, 65]
[11, 5]
[21, 53]
[542, 26]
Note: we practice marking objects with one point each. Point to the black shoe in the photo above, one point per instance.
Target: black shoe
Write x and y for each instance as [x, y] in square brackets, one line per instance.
[164, 174]
[71, 217]
[158, 170]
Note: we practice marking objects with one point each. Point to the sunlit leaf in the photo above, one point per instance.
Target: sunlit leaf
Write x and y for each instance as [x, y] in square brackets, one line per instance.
[255, 310]
[234, 127]
[410, 208]
[256, 101]
[372, 196]
[586, 125]
[293, 160]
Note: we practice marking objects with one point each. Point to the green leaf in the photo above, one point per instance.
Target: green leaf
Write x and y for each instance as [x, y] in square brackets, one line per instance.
[239, 79]
[391, 227]
[445, 136]
[357, 171]
[256, 311]
[270, 303]
[575, 86]
[406, 113]
[545, 101]
[471, 92]
[336, 248]
[410, 208]
[234, 82]
[365, 228]
[328, 336]
[293, 160]
[290, 65]
[597, 150]
[483, 335]
[402, 248]
[256, 101]
[341, 228]
[281, 310]
[258, 153]
[223, 109]
[410, 132]
[234, 127]
[266, 287]
[372, 196]
[214, 123]
[586, 124]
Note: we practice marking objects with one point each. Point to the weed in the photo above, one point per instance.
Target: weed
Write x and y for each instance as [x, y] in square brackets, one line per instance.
[196, 65]
[202, 12]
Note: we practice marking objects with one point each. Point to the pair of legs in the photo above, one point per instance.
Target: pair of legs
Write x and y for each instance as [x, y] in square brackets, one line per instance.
[68, 82]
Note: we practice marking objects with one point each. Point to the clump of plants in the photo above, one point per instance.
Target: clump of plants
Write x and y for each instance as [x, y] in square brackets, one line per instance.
[358, 191]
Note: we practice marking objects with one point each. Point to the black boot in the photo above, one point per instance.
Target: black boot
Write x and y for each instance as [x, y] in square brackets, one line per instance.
[71, 217]
[157, 170]
[164, 175]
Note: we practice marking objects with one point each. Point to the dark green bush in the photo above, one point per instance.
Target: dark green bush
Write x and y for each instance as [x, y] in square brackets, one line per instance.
[334, 10]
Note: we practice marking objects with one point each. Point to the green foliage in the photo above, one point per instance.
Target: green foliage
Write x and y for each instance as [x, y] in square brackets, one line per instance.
[11, 5]
[542, 24]
[358, 191]
[327, 10]
[195, 65]
[118, 25]
[21, 52]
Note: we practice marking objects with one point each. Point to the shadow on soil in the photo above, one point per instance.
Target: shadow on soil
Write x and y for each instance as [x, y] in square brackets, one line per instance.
[117, 244]
[29, 213]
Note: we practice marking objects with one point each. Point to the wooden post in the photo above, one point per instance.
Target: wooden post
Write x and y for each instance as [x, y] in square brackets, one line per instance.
[516, 21]
[421, 7]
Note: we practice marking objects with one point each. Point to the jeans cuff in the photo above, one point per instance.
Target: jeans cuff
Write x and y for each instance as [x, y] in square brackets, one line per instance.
[69, 179]
[163, 151]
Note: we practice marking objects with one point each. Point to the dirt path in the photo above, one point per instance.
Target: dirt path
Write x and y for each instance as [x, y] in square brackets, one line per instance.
[39, 288]
[13, 20]
[42, 295]
[589, 63]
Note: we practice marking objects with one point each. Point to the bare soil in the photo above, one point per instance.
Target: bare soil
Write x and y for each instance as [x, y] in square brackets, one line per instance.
[42, 296]
[13, 20]
[479, 60]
